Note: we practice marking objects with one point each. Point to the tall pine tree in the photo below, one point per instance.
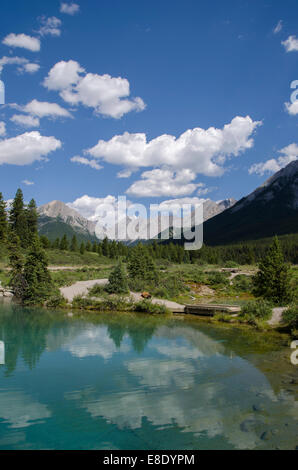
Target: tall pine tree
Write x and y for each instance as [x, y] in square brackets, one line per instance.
[39, 285]
[117, 281]
[272, 281]
[16, 262]
[74, 244]
[17, 217]
[3, 220]
[64, 243]
[32, 218]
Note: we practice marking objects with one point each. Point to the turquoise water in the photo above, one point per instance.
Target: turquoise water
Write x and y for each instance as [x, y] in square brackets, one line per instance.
[126, 381]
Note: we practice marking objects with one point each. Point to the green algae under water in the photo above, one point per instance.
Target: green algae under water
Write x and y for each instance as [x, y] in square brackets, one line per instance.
[127, 381]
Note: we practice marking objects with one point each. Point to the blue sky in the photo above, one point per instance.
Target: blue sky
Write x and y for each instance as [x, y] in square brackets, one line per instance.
[213, 78]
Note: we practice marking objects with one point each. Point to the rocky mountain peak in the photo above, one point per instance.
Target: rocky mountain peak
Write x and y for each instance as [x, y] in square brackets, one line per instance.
[59, 210]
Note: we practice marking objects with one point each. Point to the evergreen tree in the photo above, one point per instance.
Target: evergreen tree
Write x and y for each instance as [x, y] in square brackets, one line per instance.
[82, 248]
[45, 242]
[17, 217]
[3, 219]
[105, 247]
[32, 219]
[88, 246]
[38, 280]
[113, 249]
[99, 250]
[272, 281]
[56, 244]
[74, 244]
[94, 247]
[117, 281]
[64, 243]
[141, 264]
[16, 262]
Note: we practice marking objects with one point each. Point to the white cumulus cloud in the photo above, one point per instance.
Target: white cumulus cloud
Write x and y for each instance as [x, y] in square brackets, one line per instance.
[31, 68]
[27, 148]
[89, 207]
[50, 26]
[22, 40]
[164, 182]
[23, 64]
[201, 150]
[292, 108]
[124, 173]
[27, 182]
[107, 95]
[25, 121]
[84, 161]
[288, 155]
[69, 8]
[291, 44]
[44, 109]
[63, 75]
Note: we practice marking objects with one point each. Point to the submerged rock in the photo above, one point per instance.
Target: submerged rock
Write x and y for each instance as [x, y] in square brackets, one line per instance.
[258, 407]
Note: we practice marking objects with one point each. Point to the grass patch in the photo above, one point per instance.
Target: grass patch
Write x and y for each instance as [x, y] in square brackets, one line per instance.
[67, 278]
[69, 258]
[224, 318]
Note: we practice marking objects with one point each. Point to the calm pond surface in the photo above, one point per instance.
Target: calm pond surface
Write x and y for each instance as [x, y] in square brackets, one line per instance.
[126, 381]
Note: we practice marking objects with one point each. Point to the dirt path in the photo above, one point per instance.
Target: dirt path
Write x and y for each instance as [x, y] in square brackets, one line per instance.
[75, 268]
[276, 316]
[80, 288]
[64, 268]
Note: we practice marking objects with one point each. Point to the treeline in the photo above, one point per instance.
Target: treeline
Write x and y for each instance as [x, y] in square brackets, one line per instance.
[30, 279]
[110, 249]
[240, 253]
[19, 220]
[247, 252]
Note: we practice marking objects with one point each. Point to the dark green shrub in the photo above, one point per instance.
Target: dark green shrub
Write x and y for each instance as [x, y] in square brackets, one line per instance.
[161, 292]
[109, 303]
[148, 307]
[80, 302]
[290, 317]
[231, 264]
[56, 301]
[216, 278]
[96, 291]
[243, 283]
[256, 311]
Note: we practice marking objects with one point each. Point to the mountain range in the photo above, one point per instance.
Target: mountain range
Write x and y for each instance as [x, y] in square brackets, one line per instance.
[56, 219]
[272, 209]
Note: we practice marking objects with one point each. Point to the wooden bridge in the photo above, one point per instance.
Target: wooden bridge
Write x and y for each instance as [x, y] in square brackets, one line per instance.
[209, 310]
